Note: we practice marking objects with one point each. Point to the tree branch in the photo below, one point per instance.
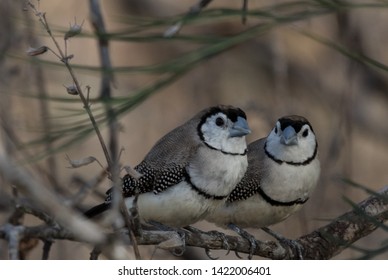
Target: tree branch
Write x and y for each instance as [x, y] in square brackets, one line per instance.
[323, 243]
[330, 240]
[49, 202]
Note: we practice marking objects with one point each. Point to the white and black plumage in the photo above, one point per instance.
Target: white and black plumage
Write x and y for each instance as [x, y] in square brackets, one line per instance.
[283, 170]
[191, 170]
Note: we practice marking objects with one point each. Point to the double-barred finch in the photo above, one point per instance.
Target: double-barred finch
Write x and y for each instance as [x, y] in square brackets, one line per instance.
[190, 171]
[283, 170]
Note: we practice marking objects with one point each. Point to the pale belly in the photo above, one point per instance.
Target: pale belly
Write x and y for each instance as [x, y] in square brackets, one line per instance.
[177, 206]
[251, 213]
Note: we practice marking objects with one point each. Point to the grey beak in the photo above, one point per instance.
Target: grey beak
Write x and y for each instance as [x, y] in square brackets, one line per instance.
[289, 136]
[240, 128]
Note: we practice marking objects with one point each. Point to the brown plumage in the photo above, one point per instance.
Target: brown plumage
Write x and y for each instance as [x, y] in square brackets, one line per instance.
[283, 170]
[191, 159]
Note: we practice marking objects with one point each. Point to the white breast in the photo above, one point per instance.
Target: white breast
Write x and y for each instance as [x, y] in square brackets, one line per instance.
[215, 172]
[285, 183]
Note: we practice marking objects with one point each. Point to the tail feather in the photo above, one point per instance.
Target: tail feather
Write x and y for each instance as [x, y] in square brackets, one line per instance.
[96, 210]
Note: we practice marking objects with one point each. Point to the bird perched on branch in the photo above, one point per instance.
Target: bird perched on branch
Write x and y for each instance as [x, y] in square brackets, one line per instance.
[283, 170]
[190, 171]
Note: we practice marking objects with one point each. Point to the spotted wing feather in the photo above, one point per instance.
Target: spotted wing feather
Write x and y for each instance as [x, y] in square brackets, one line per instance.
[163, 167]
[250, 183]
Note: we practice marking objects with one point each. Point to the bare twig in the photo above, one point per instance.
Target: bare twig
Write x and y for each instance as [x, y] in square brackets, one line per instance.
[132, 229]
[41, 231]
[132, 172]
[47, 244]
[95, 253]
[46, 200]
[194, 10]
[82, 162]
[47, 126]
[45, 112]
[86, 187]
[135, 218]
[98, 24]
[244, 11]
[12, 235]
[37, 213]
[105, 94]
[65, 60]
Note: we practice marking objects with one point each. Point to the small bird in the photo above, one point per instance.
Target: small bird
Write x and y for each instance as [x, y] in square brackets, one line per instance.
[189, 171]
[283, 170]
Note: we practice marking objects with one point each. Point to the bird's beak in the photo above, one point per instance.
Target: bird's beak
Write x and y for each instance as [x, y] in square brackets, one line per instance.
[289, 136]
[239, 128]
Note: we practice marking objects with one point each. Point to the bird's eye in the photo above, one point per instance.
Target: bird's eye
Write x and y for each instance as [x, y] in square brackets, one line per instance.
[305, 133]
[220, 121]
[276, 130]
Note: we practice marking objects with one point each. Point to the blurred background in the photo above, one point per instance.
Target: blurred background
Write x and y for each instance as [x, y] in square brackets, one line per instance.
[324, 60]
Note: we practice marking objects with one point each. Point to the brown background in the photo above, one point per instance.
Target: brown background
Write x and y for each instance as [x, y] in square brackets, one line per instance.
[281, 72]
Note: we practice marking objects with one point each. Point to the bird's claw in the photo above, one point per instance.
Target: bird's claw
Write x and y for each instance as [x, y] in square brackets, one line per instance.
[289, 243]
[247, 236]
[177, 251]
[238, 255]
[222, 236]
[217, 234]
[209, 254]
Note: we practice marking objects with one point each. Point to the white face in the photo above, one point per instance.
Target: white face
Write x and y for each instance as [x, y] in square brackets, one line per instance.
[290, 145]
[221, 133]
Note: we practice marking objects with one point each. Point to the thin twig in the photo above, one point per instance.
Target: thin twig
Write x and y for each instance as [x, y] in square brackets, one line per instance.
[37, 213]
[65, 60]
[194, 10]
[95, 253]
[129, 222]
[86, 187]
[244, 11]
[98, 24]
[45, 113]
[105, 94]
[12, 234]
[47, 244]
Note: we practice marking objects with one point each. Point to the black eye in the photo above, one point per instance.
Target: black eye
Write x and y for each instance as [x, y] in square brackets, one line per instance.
[276, 130]
[220, 121]
[305, 133]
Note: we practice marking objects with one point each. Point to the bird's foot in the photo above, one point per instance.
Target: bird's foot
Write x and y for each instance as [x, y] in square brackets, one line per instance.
[217, 234]
[177, 243]
[289, 243]
[225, 243]
[247, 236]
[221, 236]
